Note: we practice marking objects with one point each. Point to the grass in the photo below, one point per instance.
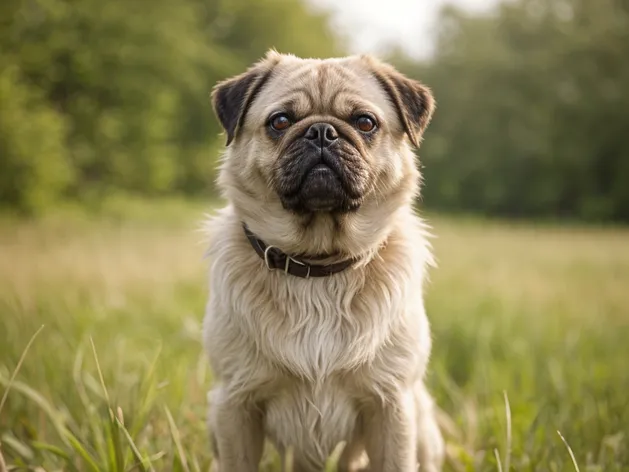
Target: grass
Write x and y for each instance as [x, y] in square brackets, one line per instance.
[531, 338]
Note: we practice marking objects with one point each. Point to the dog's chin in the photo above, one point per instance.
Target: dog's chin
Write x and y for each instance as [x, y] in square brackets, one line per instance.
[321, 192]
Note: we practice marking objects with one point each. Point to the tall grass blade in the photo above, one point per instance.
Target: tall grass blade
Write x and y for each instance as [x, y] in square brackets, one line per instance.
[498, 461]
[17, 368]
[100, 373]
[116, 456]
[56, 451]
[78, 447]
[177, 439]
[30, 393]
[574, 459]
[509, 437]
[142, 463]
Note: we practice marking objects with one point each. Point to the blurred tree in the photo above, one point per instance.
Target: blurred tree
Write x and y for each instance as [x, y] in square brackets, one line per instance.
[108, 96]
[533, 109]
[122, 88]
[240, 32]
[33, 166]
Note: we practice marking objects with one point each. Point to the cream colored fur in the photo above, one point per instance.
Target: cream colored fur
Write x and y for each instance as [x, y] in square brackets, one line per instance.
[310, 363]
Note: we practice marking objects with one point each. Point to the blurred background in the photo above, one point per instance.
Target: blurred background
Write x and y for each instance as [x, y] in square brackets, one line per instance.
[108, 148]
[112, 97]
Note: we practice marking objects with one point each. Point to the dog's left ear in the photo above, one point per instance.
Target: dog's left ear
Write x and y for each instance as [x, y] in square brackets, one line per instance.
[414, 101]
[232, 97]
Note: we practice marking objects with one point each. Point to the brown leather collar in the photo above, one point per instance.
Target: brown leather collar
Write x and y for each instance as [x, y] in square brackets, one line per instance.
[276, 259]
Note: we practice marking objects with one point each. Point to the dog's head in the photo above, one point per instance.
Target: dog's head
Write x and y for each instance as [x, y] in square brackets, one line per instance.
[312, 142]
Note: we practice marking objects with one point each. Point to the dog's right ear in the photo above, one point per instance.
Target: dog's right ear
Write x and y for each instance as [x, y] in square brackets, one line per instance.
[232, 98]
[414, 101]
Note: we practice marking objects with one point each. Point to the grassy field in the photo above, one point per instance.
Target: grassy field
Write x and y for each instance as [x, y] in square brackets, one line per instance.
[539, 315]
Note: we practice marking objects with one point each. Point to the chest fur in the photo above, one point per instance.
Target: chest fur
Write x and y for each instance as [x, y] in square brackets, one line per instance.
[314, 328]
[312, 420]
[317, 327]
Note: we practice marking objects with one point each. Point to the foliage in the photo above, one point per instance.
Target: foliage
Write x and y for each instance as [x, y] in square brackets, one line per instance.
[540, 313]
[122, 88]
[33, 166]
[533, 110]
[113, 97]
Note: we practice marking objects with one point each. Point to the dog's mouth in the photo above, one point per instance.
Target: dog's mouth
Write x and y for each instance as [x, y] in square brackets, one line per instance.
[334, 179]
[321, 189]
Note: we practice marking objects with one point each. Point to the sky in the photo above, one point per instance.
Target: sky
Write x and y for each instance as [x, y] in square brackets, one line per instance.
[370, 25]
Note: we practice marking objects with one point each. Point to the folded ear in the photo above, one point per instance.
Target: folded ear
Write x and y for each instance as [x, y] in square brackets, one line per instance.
[232, 98]
[414, 101]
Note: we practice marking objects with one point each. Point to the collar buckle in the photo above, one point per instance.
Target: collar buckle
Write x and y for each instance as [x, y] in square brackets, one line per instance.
[288, 261]
[273, 260]
[266, 257]
[295, 261]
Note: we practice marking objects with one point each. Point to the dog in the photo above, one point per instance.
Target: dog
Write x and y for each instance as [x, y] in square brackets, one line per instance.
[315, 325]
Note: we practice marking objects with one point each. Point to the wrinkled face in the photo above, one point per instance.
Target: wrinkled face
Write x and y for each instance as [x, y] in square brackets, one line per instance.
[323, 151]
[322, 135]
[325, 135]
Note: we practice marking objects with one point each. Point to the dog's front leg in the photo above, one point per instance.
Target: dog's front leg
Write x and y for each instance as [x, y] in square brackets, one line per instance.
[430, 444]
[237, 432]
[391, 434]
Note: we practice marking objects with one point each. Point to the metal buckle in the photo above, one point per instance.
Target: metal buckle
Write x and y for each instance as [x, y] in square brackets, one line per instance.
[266, 257]
[286, 264]
[290, 259]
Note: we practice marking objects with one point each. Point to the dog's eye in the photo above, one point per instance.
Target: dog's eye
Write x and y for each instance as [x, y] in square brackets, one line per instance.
[280, 122]
[365, 123]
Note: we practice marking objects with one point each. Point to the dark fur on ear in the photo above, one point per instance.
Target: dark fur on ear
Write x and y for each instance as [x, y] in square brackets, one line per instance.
[414, 101]
[232, 98]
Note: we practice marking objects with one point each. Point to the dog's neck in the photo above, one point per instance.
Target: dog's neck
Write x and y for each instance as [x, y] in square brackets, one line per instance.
[325, 239]
[298, 265]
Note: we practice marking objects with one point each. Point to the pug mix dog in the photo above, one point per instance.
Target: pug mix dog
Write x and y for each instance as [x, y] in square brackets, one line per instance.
[315, 326]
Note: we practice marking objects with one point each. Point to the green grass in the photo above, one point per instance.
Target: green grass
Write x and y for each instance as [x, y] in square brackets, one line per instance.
[540, 314]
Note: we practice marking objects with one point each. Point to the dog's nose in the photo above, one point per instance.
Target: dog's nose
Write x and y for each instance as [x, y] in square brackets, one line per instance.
[321, 134]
